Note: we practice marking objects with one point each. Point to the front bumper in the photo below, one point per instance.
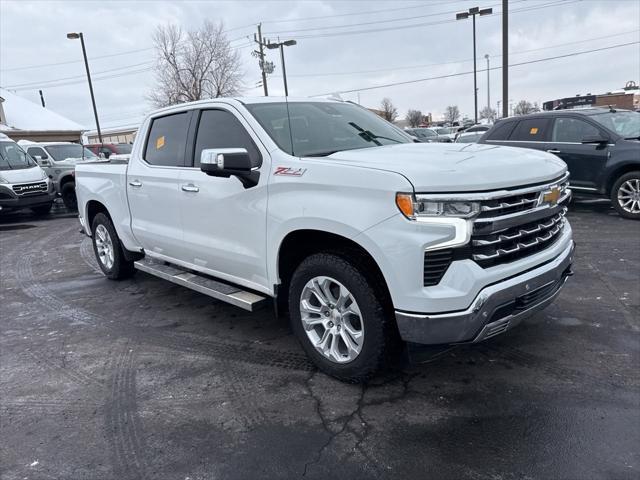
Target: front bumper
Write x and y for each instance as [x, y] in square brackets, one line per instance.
[11, 201]
[496, 309]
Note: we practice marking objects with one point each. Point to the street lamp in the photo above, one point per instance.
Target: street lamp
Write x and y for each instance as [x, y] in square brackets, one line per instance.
[281, 45]
[75, 36]
[464, 15]
[486, 56]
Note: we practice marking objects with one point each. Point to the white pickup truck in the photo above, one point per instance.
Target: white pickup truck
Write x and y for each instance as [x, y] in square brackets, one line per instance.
[364, 236]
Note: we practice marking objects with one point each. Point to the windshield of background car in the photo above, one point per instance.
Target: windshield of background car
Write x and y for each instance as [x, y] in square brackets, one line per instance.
[123, 148]
[323, 128]
[425, 132]
[443, 131]
[12, 157]
[62, 152]
[625, 124]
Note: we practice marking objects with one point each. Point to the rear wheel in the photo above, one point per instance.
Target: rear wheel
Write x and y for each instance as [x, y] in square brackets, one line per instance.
[68, 193]
[625, 195]
[338, 316]
[108, 249]
[42, 210]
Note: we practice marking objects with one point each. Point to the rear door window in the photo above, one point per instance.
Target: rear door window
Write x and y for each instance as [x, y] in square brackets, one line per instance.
[167, 140]
[501, 131]
[531, 130]
[221, 129]
[572, 130]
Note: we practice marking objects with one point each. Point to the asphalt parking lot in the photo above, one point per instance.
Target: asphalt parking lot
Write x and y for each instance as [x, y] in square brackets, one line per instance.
[145, 379]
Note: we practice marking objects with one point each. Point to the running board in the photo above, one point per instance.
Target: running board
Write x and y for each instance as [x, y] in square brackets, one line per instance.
[200, 283]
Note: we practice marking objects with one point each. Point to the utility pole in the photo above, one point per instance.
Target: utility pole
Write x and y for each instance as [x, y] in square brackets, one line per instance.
[488, 86]
[260, 41]
[505, 57]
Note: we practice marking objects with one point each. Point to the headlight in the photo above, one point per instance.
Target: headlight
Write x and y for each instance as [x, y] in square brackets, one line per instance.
[414, 208]
[2, 180]
[44, 174]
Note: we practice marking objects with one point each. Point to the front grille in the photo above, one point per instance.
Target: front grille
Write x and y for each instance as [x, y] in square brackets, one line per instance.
[436, 264]
[30, 188]
[514, 204]
[516, 242]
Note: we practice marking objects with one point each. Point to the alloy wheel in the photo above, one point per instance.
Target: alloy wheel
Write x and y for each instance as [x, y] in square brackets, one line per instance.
[332, 319]
[104, 246]
[629, 196]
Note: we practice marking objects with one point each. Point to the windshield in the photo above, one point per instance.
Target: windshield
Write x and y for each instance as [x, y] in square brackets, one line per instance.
[443, 131]
[625, 124]
[426, 132]
[323, 128]
[12, 157]
[123, 148]
[72, 150]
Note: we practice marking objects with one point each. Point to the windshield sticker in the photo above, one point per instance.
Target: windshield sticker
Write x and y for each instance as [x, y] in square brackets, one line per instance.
[160, 142]
[533, 130]
[289, 171]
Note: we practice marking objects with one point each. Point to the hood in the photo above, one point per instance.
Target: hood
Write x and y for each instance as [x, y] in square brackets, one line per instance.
[22, 175]
[453, 167]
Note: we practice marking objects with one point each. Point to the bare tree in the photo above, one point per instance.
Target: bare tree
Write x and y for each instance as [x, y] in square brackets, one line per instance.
[451, 113]
[524, 107]
[488, 113]
[389, 112]
[194, 65]
[414, 118]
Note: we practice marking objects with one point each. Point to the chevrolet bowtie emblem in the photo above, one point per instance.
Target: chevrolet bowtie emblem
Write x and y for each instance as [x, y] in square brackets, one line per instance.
[552, 196]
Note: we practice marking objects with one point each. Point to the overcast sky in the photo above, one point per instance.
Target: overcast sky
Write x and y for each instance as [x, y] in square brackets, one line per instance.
[396, 41]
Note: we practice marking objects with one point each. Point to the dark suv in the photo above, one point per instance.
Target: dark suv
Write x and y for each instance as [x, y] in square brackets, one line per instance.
[601, 147]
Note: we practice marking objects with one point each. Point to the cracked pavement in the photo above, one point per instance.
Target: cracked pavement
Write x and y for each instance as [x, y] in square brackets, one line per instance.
[145, 379]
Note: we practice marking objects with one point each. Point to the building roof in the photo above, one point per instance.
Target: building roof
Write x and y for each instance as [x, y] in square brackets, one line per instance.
[22, 114]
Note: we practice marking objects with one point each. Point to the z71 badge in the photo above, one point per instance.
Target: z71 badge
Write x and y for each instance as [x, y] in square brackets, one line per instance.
[292, 172]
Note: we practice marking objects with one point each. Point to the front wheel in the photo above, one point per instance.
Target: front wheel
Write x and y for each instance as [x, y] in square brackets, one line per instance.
[108, 249]
[625, 195]
[68, 193]
[338, 316]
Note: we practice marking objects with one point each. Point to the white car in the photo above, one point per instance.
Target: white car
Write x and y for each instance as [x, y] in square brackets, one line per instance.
[363, 235]
[59, 160]
[23, 184]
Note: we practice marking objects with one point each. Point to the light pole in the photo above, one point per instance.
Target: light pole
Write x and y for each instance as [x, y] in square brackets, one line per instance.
[281, 45]
[488, 86]
[75, 36]
[464, 15]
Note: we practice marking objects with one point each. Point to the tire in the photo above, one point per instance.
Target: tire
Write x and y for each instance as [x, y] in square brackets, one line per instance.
[109, 250]
[68, 193]
[42, 210]
[376, 329]
[625, 195]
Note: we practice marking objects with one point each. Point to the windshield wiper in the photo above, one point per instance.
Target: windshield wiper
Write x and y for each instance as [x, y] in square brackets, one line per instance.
[369, 136]
[321, 154]
[632, 138]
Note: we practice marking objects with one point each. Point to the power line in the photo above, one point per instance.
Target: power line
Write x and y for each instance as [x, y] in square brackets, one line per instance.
[452, 62]
[414, 25]
[459, 74]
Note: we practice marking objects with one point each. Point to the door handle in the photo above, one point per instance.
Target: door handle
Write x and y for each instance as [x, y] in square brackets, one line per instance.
[190, 188]
[554, 151]
[135, 183]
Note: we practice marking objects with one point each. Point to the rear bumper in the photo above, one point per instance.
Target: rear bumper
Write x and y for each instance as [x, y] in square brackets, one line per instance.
[496, 309]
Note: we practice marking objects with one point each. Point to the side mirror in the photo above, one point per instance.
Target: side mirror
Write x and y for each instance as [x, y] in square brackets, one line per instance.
[227, 162]
[594, 139]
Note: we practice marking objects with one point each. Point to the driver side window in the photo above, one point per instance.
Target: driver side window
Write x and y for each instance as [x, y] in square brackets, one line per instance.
[221, 129]
[37, 151]
[572, 130]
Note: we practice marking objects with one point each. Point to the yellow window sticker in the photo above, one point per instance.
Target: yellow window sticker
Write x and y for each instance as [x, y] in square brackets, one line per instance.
[160, 142]
[533, 131]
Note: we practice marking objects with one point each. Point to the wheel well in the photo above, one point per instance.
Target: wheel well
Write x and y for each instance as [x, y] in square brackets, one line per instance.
[66, 179]
[300, 244]
[618, 173]
[93, 208]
